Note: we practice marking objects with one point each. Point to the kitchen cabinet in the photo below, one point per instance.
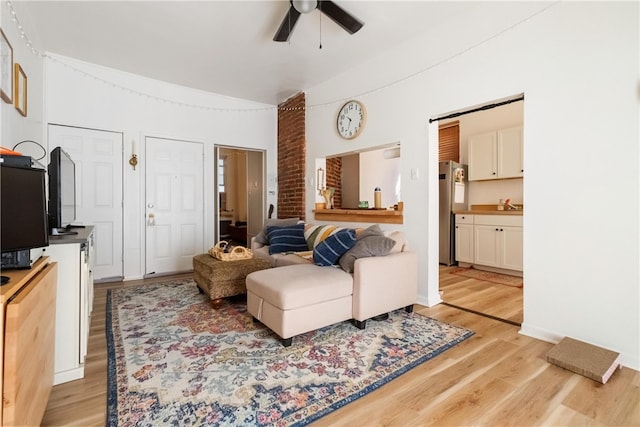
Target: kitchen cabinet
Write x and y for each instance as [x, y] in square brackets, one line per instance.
[74, 254]
[490, 240]
[496, 155]
[464, 238]
[27, 340]
[498, 241]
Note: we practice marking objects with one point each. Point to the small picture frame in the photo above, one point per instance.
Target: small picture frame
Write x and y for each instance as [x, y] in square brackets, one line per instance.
[20, 94]
[6, 69]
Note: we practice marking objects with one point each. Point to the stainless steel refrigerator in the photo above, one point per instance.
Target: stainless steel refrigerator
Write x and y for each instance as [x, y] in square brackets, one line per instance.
[454, 196]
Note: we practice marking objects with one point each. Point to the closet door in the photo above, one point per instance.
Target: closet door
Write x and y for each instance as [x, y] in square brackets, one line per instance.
[97, 155]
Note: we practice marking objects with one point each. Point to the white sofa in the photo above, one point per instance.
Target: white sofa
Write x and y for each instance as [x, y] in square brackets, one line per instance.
[299, 296]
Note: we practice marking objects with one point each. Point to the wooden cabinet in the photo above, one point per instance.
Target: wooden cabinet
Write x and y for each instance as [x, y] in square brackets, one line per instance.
[490, 240]
[464, 238]
[27, 339]
[496, 155]
[498, 241]
[510, 153]
[74, 255]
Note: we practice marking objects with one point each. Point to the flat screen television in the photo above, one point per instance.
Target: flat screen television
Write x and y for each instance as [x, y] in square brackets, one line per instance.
[23, 214]
[62, 192]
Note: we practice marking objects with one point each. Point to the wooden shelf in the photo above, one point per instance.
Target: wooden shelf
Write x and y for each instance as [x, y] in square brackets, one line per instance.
[382, 216]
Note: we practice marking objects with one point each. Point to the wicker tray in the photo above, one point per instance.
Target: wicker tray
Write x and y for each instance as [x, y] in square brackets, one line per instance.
[237, 253]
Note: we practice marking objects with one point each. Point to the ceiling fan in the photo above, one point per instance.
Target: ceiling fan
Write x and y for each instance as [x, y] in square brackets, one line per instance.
[337, 14]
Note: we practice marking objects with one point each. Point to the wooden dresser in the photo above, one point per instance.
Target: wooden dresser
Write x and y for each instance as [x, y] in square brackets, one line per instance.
[27, 340]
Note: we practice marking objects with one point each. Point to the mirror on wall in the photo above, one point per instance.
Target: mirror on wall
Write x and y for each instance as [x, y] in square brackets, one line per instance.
[355, 175]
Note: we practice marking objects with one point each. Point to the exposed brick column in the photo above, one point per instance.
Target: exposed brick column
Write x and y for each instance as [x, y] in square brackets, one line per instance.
[292, 152]
[334, 179]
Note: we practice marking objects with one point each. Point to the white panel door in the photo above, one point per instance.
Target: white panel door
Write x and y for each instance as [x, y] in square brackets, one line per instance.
[174, 204]
[98, 158]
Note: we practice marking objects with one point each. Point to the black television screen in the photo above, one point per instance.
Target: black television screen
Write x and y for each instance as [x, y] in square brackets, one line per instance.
[22, 209]
[62, 192]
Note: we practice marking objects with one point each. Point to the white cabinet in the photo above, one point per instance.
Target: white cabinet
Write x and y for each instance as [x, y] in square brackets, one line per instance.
[74, 302]
[490, 240]
[464, 238]
[498, 241]
[496, 155]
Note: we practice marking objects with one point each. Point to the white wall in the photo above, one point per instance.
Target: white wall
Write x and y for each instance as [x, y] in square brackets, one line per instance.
[378, 172]
[88, 95]
[577, 65]
[14, 126]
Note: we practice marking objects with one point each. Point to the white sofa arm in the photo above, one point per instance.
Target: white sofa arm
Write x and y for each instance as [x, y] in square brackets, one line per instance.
[383, 284]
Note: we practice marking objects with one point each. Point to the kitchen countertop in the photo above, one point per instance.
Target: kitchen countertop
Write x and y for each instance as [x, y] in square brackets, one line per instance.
[491, 210]
[488, 212]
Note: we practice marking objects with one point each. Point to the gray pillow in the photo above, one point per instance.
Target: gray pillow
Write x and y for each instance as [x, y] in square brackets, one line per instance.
[372, 230]
[366, 247]
[274, 222]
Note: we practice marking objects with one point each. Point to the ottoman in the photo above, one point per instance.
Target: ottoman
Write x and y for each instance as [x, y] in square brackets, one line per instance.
[220, 279]
[299, 298]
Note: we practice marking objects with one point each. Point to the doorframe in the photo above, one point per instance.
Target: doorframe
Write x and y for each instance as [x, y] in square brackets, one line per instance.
[216, 193]
[433, 247]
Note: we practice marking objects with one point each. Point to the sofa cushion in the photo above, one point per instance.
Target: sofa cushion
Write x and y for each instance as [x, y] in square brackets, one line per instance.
[400, 240]
[366, 247]
[274, 222]
[286, 239]
[327, 252]
[297, 286]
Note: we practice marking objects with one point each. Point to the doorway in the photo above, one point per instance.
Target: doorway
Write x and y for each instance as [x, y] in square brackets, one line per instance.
[240, 194]
[484, 296]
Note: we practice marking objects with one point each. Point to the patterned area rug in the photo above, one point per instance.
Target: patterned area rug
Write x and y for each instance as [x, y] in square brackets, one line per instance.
[174, 360]
[488, 276]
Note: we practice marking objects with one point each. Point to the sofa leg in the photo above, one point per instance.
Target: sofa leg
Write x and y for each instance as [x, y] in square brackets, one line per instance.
[286, 342]
[360, 324]
[383, 316]
[409, 308]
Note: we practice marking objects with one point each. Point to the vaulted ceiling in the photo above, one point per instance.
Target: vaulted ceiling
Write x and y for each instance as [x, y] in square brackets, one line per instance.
[227, 47]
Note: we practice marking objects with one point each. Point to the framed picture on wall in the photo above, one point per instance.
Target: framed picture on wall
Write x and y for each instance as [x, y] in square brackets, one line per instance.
[6, 68]
[20, 95]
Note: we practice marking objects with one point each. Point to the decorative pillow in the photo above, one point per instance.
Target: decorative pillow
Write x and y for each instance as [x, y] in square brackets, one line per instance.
[317, 233]
[275, 222]
[372, 230]
[366, 247]
[286, 239]
[328, 251]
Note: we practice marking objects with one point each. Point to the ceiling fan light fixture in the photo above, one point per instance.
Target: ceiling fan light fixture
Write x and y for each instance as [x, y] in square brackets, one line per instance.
[304, 6]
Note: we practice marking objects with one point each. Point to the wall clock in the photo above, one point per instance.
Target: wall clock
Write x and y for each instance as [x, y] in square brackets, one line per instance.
[351, 119]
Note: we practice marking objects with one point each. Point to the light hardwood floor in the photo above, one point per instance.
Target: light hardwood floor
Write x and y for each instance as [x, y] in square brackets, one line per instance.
[493, 299]
[496, 377]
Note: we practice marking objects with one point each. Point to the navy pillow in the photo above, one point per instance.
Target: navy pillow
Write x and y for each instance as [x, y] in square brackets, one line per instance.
[329, 251]
[287, 239]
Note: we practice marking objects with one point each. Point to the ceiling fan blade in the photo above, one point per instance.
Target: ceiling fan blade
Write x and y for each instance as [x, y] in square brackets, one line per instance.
[287, 25]
[340, 16]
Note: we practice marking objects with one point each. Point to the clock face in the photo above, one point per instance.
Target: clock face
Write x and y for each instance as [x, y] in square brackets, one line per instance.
[351, 119]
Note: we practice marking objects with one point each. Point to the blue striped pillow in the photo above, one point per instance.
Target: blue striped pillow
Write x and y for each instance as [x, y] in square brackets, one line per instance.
[287, 239]
[329, 251]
